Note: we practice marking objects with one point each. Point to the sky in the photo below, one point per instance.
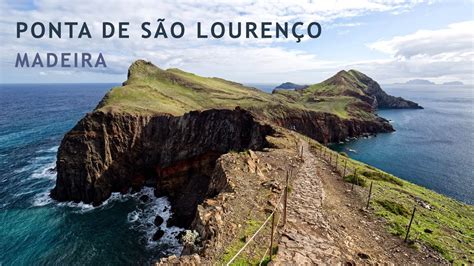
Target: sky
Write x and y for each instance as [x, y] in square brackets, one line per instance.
[389, 40]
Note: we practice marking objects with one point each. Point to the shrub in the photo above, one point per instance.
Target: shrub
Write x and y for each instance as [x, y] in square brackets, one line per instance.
[357, 180]
[394, 207]
[377, 175]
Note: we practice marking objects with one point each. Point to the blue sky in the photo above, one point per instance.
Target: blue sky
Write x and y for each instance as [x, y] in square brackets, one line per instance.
[391, 41]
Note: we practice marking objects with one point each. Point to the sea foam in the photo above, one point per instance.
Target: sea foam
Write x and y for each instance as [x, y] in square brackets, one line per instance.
[143, 217]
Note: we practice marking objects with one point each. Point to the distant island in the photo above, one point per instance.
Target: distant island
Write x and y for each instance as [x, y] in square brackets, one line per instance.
[420, 82]
[456, 83]
[428, 82]
[290, 86]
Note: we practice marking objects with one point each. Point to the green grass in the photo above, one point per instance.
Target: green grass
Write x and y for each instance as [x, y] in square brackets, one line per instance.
[393, 207]
[151, 90]
[451, 222]
[374, 174]
[356, 179]
[243, 259]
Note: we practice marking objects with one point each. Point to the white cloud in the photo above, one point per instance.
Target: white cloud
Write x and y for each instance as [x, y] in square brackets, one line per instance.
[443, 54]
[456, 39]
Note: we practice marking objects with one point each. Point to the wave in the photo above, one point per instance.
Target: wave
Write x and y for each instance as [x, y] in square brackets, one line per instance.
[81, 207]
[53, 149]
[41, 164]
[46, 171]
[142, 220]
[42, 199]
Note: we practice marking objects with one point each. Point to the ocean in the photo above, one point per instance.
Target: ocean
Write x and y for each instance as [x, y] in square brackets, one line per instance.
[35, 230]
[432, 147]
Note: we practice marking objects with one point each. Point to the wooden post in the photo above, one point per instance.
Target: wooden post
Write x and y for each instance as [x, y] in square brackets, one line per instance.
[271, 236]
[409, 225]
[345, 165]
[355, 178]
[337, 159]
[330, 158]
[370, 194]
[285, 198]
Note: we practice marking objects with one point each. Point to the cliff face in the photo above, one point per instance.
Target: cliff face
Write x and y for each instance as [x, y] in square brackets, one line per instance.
[328, 128]
[107, 152]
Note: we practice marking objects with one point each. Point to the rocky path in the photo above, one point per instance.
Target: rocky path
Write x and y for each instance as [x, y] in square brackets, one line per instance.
[325, 225]
[305, 239]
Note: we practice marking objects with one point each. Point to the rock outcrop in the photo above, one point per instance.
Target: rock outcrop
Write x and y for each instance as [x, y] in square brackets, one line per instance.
[329, 128]
[363, 87]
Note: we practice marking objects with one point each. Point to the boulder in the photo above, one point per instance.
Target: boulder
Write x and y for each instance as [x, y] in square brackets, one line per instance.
[158, 220]
[158, 235]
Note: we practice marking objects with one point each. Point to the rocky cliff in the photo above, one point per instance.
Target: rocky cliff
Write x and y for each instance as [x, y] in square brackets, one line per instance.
[167, 128]
[107, 152]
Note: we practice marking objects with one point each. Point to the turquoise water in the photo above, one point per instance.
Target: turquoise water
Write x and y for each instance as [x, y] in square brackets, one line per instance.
[432, 147]
[36, 230]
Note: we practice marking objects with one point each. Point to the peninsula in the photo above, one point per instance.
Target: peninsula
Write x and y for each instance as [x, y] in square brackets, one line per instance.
[221, 151]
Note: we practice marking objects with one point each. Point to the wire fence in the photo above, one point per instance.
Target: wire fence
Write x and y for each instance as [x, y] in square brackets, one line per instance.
[348, 173]
[340, 164]
[277, 219]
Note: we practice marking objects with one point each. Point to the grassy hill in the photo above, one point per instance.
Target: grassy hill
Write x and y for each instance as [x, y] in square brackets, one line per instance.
[150, 89]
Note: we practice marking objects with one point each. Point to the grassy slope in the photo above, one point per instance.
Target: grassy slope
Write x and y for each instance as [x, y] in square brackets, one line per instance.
[451, 222]
[153, 90]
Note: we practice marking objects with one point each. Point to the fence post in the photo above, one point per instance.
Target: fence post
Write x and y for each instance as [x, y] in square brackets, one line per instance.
[345, 165]
[285, 199]
[337, 159]
[409, 225]
[330, 158]
[271, 236]
[355, 178]
[370, 194]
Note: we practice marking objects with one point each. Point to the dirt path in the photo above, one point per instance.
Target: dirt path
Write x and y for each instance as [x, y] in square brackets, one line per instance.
[326, 226]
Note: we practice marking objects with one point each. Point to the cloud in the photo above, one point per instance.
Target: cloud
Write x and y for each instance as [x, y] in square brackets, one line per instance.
[345, 25]
[441, 54]
[241, 60]
[455, 40]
